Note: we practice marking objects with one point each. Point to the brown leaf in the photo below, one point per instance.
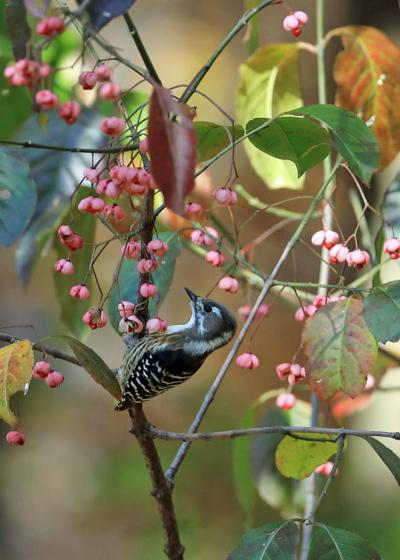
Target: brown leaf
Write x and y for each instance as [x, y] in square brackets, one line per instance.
[340, 348]
[172, 147]
[16, 361]
[367, 73]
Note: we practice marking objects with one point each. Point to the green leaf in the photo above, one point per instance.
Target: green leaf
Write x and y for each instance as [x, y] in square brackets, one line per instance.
[57, 175]
[270, 85]
[281, 493]
[329, 543]
[93, 364]
[352, 138]
[17, 28]
[340, 349]
[128, 280]
[72, 310]
[275, 541]
[297, 458]
[17, 197]
[302, 141]
[391, 460]
[382, 312]
[212, 138]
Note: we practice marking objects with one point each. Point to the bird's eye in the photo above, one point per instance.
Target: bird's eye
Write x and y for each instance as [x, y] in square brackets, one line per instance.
[207, 308]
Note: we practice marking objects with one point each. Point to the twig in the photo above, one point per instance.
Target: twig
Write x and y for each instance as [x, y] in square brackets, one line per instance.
[30, 144]
[161, 489]
[329, 480]
[41, 348]
[134, 33]
[179, 457]
[265, 430]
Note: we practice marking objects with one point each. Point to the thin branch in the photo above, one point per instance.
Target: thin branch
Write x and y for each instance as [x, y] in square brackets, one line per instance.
[267, 285]
[329, 480]
[161, 489]
[30, 144]
[134, 33]
[265, 430]
[41, 348]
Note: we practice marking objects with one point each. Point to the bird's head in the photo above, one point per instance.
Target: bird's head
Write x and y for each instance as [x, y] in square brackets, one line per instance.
[211, 320]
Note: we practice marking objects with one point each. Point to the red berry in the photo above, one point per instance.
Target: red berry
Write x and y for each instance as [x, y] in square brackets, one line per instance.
[41, 369]
[247, 360]
[15, 438]
[54, 379]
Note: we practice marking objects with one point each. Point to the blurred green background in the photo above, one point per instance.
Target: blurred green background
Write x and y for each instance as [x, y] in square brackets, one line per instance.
[79, 488]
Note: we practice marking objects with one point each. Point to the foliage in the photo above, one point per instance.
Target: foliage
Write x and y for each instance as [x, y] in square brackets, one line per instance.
[16, 361]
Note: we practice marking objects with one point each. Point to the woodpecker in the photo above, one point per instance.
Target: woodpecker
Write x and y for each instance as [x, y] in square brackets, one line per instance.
[156, 362]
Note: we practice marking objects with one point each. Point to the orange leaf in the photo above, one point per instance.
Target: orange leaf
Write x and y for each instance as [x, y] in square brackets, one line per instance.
[16, 361]
[367, 73]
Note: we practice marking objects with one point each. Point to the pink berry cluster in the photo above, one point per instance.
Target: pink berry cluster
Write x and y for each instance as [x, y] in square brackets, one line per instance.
[306, 311]
[294, 22]
[339, 252]
[43, 370]
[130, 323]
[293, 373]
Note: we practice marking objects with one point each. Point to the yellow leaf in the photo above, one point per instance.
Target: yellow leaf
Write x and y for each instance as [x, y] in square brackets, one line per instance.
[16, 361]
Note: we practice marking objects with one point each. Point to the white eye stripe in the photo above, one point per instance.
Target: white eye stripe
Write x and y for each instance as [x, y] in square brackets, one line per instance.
[217, 312]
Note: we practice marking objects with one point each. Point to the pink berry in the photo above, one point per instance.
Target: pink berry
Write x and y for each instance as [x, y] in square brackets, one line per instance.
[297, 373]
[80, 291]
[15, 438]
[97, 205]
[215, 258]
[126, 308]
[113, 211]
[54, 379]
[88, 80]
[145, 266]
[157, 247]
[327, 238]
[194, 209]
[144, 146]
[247, 360]
[103, 73]
[303, 312]
[156, 324]
[229, 284]
[338, 254]
[70, 111]
[108, 187]
[50, 26]
[113, 126]
[290, 22]
[286, 401]
[370, 383]
[225, 196]
[69, 238]
[44, 70]
[85, 205]
[46, 99]
[302, 17]
[263, 310]
[197, 237]
[131, 250]
[357, 258]
[392, 248]
[210, 239]
[110, 91]
[282, 370]
[92, 174]
[325, 469]
[41, 369]
[64, 266]
[64, 231]
[131, 324]
[148, 290]
[95, 318]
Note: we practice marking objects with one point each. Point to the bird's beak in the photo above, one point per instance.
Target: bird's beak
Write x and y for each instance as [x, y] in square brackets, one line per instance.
[192, 296]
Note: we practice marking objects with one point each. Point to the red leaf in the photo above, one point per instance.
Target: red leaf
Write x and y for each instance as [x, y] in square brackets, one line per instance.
[172, 147]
